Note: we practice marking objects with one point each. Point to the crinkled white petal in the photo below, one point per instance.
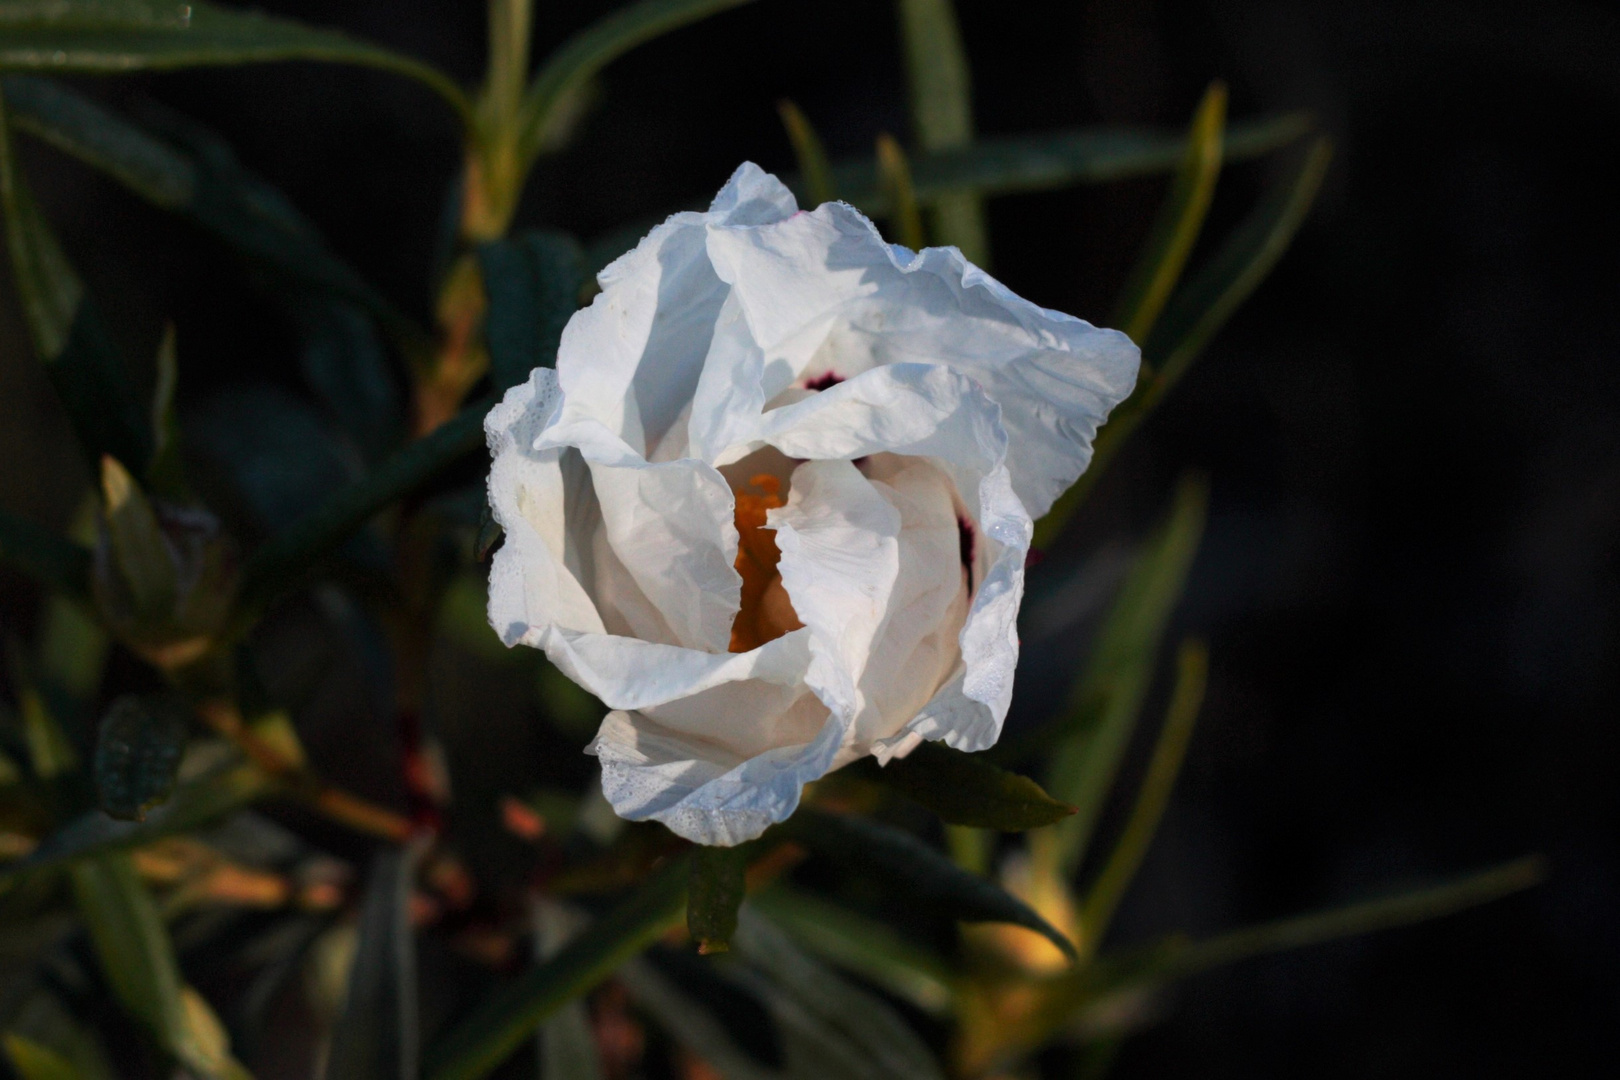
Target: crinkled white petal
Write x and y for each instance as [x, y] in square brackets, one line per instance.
[823, 293]
[839, 539]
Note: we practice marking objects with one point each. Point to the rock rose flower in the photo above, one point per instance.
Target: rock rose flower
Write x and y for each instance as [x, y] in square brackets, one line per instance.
[773, 505]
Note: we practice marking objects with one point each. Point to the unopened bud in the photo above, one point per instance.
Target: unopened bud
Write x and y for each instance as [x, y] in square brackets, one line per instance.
[165, 575]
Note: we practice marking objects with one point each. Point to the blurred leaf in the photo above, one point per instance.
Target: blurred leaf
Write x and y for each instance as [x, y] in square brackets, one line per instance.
[497, 1027]
[114, 36]
[1198, 311]
[1180, 220]
[1192, 673]
[1108, 696]
[187, 170]
[140, 552]
[51, 561]
[567, 1041]
[376, 1039]
[69, 336]
[346, 365]
[838, 1028]
[165, 474]
[35, 1062]
[138, 961]
[895, 174]
[966, 789]
[865, 946]
[1402, 909]
[809, 152]
[1055, 159]
[194, 804]
[941, 94]
[906, 864]
[138, 754]
[698, 1025]
[50, 751]
[562, 77]
[715, 890]
[533, 283]
[281, 562]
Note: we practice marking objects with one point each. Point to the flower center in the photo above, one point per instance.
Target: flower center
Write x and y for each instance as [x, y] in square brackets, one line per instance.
[766, 613]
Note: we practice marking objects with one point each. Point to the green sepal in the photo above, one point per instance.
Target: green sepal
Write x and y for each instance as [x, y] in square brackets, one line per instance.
[715, 890]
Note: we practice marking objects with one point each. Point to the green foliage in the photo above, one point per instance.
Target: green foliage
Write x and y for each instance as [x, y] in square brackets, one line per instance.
[809, 152]
[533, 282]
[112, 36]
[69, 336]
[376, 1037]
[35, 1062]
[920, 872]
[54, 563]
[966, 789]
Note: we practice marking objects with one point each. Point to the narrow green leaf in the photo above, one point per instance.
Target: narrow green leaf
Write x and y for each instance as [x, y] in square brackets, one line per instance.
[905, 218]
[1107, 698]
[282, 561]
[189, 171]
[1056, 159]
[195, 803]
[714, 892]
[133, 947]
[68, 335]
[809, 152]
[1192, 673]
[165, 474]
[376, 1038]
[509, 1016]
[49, 560]
[967, 789]
[50, 751]
[114, 36]
[1404, 909]
[941, 94]
[138, 754]
[566, 71]
[34, 1061]
[567, 1042]
[1180, 220]
[865, 946]
[533, 283]
[830, 1026]
[1198, 311]
[344, 362]
[906, 863]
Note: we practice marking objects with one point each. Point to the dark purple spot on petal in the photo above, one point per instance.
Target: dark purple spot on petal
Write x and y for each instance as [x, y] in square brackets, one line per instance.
[966, 539]
[824, 381]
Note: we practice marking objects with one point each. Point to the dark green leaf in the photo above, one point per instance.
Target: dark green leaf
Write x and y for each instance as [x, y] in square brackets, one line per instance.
[51, 561]
[1108, 696]
[503, 1022]
[187, 170]
[906, 864]
[567, 70]
[1056, 159]
[281, 562]
[346, 365]
[138, 754]
[376, 1039]
[69, 336]
[112, 36]
[967, 789]
[533, 283]
[941, 93]
[714, 892]
[863, 945]
[165, 475]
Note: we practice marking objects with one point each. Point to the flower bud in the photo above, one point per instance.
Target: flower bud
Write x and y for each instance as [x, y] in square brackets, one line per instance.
[164, 575]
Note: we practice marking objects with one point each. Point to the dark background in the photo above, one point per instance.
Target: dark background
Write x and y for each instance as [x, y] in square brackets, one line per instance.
[1408, 579]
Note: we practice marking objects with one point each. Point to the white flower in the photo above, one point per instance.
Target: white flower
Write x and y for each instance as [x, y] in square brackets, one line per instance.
[755, 380]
